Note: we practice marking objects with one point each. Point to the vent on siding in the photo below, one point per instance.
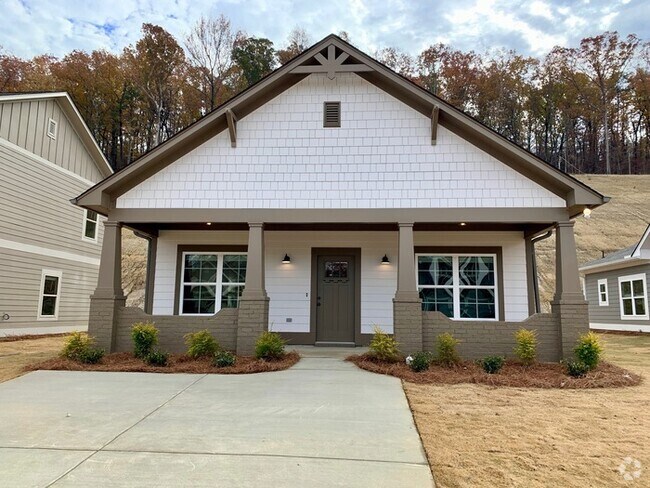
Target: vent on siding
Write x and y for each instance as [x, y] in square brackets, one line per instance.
[332, 114]
[51, 128]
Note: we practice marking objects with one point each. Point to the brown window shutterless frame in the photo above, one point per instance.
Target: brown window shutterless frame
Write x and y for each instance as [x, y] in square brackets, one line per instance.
[498, 251]
[197, 248]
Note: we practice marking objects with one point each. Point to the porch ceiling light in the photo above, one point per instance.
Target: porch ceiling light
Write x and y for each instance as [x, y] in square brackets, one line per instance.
[286, 259]
[208, 223]
[385, 260]
[463, 224]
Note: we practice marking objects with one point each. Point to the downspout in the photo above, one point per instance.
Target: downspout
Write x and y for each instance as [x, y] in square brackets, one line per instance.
[534, 240]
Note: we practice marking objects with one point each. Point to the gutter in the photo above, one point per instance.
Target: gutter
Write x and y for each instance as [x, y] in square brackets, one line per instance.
[534, 240]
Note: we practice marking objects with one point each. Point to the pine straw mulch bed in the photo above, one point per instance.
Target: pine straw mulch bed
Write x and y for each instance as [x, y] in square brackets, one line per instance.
[178, 363]
[539, 375]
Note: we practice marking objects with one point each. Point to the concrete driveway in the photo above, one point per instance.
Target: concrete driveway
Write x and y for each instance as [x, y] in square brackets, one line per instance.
[321, 423]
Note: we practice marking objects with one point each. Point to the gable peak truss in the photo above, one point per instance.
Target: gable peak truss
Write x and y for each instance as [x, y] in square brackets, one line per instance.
[332, 64]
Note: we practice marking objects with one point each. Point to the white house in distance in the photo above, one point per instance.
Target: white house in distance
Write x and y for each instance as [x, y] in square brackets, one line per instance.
[616, 287]
[334, 196]
[49, 249]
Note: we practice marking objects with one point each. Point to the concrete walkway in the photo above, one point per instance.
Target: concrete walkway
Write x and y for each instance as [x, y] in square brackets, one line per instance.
[321, 423]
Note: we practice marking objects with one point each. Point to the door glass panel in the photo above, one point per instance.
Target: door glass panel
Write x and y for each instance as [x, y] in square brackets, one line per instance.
[336, 269]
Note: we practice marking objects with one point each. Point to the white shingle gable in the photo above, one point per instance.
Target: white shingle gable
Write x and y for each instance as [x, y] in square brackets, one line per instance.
[381, 157]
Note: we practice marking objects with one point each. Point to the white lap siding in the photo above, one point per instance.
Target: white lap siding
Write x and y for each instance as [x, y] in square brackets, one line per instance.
[289, 285]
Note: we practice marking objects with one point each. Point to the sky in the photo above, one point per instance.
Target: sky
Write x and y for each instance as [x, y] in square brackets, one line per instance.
[531, 27]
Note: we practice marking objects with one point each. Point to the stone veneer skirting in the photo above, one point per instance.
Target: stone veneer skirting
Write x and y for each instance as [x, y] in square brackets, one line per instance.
[486, 338]
[172, 328]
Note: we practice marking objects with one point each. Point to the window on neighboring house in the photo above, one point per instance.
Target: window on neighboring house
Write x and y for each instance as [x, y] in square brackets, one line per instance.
[634, 297]
[51, 128]
[90, 225]
[211, 281]
[460, 286]
[603, 294]
[48, 307]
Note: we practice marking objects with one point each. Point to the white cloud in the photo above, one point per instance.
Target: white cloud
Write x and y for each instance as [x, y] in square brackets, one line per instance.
[541, 9]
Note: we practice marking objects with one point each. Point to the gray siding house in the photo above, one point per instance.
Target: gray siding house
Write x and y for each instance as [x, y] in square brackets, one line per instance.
[332, 197]
[49, 249]
[616, 288]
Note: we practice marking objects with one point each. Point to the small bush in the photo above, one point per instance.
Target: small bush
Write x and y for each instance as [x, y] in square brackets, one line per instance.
[157, 358]
[492, 364]
[269, 345]
[446, 347]
[526, 348]
[420, 361]
[577, 369]
[589, 350]
[384, 347]
[201, 344]
[223, 359]
[80, 347]
[145, 337]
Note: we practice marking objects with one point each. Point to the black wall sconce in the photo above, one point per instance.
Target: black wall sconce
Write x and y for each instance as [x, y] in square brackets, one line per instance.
[385, 260]
[286, 259]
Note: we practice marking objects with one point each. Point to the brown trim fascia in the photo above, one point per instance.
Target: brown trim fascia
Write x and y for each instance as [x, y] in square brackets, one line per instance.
[498, 250]
[180, 249]
[520, 215]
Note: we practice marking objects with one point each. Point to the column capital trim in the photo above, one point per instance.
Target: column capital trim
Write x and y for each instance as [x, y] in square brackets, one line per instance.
[256, 224]
[112, 223]
[568, 223]
[405, 224]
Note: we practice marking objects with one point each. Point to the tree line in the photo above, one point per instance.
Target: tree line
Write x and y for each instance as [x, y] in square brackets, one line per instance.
[584, 109]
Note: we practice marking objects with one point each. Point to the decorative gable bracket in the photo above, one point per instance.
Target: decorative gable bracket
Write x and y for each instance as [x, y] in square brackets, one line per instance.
[331, 65]
[232, 127]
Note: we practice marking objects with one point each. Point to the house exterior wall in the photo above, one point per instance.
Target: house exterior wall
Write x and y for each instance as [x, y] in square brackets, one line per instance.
[381, 157]
[41, 229]
[289, 285]
[24, 123]
[609, 316]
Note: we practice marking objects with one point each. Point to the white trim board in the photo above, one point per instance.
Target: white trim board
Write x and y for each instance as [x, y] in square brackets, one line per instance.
[50, 164]
[50, 253]
[631, 327]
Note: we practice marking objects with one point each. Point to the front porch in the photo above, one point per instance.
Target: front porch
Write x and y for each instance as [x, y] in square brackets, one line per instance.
[342, 280]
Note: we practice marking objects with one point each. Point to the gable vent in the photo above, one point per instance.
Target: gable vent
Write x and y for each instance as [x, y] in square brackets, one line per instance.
[332, 114]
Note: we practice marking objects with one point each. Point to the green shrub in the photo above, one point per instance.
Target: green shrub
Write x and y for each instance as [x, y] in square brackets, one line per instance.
[201, 344]
[157, 358]
[420, 361]
[80, 347]
[577, 369]
[269, 345]
[446, 347]
[526, 348]
[145, 337]
[384, 347]
[589, 350]
[223, 359]
[492, 364]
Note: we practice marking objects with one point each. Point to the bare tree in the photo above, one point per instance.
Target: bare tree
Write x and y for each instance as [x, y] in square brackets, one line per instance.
[209, 47]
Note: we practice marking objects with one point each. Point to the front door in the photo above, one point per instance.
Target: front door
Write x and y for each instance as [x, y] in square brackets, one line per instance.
[335, 298]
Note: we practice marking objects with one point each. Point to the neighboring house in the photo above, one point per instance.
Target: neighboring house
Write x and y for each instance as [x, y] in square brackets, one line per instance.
[49, 249]
[334, 196]
[616, 288]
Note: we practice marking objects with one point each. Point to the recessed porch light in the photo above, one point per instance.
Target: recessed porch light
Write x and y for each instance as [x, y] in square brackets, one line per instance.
[463, 224]
[208, 223]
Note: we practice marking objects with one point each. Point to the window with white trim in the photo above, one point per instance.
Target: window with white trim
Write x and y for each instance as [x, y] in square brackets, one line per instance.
[462, 286]
[48, 304]
[211, 281]
[633, 296]
[51, 128]
[91, 219]
[603, 293]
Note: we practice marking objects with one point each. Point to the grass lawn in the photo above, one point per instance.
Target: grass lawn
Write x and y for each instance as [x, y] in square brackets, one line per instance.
[477, 435]
[15, 355]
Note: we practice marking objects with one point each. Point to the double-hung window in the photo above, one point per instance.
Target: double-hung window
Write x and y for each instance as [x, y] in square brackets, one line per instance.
[603, 293]
[634, 297]
[90, 225]
[48, 305]
[211, 281]
[461, 286]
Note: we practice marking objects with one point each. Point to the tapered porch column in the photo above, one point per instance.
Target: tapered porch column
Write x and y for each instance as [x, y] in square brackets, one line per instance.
[253, 316]
[407, 306]
[108, 296]
[568, 303]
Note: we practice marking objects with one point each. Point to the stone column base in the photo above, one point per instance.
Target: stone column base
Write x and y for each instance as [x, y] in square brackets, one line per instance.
[407, 324]
[253, 319]
[573, 319]
[102, 320]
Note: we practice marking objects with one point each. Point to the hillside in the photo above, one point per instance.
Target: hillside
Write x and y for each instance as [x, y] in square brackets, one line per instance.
[613, 226]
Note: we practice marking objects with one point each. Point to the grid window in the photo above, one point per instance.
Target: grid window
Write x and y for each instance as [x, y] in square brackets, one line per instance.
[48, 307]
[90, 225]
[634, 299]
